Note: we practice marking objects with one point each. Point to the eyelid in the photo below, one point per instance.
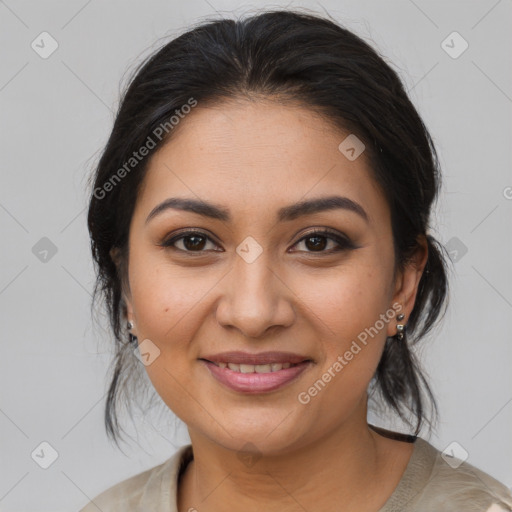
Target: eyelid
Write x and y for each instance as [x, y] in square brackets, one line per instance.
[323, 232]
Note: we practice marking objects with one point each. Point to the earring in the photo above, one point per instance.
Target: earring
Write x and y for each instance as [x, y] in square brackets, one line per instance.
[131, 337]
[400, 328]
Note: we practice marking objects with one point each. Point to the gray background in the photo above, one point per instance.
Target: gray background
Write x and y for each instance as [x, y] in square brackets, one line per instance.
[56, 114]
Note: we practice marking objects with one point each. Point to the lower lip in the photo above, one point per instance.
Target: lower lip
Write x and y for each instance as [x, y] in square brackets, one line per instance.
[255, 382]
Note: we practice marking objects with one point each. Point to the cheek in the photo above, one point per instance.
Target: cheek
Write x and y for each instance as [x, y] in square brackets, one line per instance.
[348, 309]
[167, 308]
[347, 301]
[164, 297]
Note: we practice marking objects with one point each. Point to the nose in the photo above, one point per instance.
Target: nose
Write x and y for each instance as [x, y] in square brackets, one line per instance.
[255, 299]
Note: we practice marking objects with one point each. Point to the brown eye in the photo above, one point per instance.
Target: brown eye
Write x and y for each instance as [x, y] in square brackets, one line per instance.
[194, 242]
[191, 241]
[317, 241]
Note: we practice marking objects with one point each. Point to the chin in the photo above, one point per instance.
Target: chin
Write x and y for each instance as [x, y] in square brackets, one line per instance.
[263, 439]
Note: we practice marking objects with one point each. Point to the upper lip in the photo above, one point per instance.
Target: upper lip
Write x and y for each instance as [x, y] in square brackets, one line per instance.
[237, 357]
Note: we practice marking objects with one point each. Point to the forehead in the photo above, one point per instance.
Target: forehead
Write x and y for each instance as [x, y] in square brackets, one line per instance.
[259, 154]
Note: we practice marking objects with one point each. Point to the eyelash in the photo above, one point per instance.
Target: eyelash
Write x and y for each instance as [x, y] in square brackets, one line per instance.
[343, 242]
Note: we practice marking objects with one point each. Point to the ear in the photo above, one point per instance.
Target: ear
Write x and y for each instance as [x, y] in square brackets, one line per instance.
[407, 281]
[116, 258]
[114, 255]
[129, 310]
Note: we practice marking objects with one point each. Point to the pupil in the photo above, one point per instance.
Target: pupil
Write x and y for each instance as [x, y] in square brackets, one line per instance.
[198, 244]
[320, 244]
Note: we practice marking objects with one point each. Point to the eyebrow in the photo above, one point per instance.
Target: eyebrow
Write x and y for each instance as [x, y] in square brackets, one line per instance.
[286, 213]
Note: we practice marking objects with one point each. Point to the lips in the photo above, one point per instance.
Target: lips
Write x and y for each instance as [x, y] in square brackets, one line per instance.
[262, 358]
[256, 382]
[256, 373]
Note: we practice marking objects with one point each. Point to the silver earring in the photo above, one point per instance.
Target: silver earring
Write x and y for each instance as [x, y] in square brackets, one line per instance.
[400, 328]
[131, 337]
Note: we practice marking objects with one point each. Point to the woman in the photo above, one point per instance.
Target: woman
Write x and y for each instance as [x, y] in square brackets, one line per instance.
[260, 224]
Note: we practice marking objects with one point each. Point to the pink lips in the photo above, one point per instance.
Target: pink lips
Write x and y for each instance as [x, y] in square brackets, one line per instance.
[256, 382]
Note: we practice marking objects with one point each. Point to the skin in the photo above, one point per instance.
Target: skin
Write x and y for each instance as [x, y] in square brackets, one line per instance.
[254, 157]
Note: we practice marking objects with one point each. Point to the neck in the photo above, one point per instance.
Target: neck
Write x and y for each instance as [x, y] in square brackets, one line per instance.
[343, 467]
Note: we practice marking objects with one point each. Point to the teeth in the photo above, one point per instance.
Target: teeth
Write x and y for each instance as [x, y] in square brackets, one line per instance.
[255, 368]
[247, 368]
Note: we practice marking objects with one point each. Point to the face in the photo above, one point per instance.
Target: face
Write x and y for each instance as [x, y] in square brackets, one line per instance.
[262, 277]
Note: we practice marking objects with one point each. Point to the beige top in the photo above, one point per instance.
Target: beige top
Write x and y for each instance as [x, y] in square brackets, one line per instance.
[428, 484]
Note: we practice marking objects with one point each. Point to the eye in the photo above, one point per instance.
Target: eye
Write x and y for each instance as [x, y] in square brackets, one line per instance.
[316, 241]
[195, 241]
[191, 241]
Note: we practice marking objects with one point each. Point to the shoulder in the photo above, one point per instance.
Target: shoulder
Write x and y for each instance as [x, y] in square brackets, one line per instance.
[152, 488]
[454, 485]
